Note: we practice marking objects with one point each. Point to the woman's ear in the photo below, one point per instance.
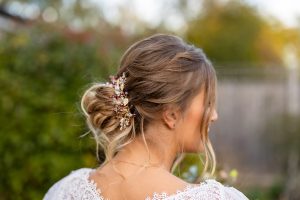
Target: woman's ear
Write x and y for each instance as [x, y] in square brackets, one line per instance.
[171, 116]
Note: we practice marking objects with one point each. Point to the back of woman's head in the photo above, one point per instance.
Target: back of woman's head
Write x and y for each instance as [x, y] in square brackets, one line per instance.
[161, 70]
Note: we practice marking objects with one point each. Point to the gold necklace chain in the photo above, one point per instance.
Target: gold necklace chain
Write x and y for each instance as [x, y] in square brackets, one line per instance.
[146, 166]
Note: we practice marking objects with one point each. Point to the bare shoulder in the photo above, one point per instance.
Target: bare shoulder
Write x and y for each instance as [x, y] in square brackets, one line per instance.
[139, 186]
[159, 182]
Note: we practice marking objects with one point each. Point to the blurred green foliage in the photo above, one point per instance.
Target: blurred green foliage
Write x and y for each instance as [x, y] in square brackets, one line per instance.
[43, 72]
[273, 192]
[234, 34]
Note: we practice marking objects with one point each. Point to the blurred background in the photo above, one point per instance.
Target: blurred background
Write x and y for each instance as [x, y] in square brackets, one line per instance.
[51, 50]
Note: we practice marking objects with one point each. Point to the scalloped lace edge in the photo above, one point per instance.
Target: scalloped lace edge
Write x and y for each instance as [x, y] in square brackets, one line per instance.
[155, 195]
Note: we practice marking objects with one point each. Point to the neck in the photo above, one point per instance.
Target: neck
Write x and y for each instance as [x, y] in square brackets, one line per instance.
[161, 145]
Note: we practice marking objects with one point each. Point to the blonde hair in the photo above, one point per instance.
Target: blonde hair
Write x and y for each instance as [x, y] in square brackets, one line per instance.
[161, 70]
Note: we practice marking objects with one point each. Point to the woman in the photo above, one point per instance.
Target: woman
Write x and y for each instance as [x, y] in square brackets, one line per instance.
[159, 105]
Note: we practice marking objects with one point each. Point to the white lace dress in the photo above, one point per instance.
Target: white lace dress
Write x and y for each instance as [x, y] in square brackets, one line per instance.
[77, 186]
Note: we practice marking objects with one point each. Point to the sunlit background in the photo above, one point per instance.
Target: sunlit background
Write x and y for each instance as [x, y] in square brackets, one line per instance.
[51, 50]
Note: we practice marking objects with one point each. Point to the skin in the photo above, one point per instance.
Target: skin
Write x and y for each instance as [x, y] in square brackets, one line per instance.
[164, 142]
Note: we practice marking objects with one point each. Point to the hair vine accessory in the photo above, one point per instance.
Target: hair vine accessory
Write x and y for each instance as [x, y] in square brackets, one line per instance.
[120, 99]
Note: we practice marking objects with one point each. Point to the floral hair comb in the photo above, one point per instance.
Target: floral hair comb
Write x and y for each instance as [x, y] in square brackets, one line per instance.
[120, 99]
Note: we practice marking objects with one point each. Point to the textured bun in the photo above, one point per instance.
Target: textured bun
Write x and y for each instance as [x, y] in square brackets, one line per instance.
[98, 107]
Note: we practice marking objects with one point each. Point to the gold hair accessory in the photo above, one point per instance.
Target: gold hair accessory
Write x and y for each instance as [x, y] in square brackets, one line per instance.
[120, 99]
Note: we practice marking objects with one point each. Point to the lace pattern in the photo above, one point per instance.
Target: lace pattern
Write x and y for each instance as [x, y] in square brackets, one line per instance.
[77, 186]
[211, 190]
[164, 195]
